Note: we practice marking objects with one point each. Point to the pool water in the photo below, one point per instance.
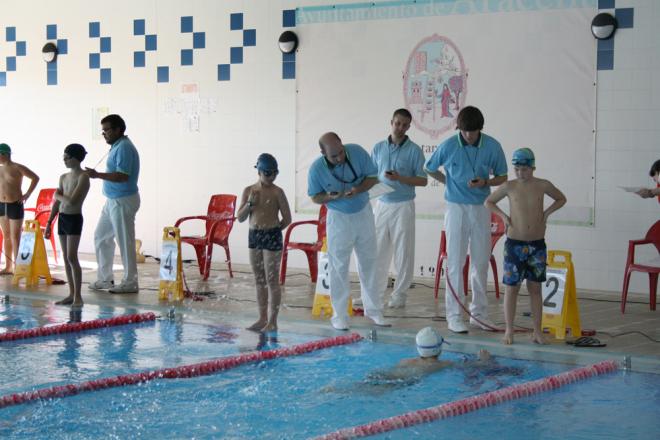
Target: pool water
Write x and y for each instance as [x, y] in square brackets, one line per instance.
[287, 398]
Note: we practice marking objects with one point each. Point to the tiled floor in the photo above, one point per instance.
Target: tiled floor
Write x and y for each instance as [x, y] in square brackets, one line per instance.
[234, 299]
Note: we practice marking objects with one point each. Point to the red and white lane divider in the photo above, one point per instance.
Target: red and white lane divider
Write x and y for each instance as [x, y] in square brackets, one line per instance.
[473, 403]
[183, 371]
[74, 327]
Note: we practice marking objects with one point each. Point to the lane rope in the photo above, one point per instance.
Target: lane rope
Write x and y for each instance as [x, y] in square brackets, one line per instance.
[474, 403]
[184, 371]
[74, 327]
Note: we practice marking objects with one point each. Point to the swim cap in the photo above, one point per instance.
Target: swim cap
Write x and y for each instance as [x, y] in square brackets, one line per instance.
[429, 342]
[76, 151]
[524, 157]
[266, 162]
[4, 149]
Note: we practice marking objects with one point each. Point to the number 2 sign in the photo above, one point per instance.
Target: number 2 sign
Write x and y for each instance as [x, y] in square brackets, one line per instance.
[553, 291]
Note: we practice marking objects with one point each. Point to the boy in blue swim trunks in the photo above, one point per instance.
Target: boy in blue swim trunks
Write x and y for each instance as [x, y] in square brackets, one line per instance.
[263, 203]
[524, 249]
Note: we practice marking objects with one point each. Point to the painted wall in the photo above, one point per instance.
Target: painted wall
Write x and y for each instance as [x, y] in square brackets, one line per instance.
[199, 131]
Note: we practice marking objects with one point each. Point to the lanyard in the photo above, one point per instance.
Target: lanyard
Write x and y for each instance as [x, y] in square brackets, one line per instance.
[472, 164]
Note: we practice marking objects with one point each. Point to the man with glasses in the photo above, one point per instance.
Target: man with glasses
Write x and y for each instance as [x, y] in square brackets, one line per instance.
[400, 164]
[340, 179]
[469, 158]
[12, 199]
[117, 221]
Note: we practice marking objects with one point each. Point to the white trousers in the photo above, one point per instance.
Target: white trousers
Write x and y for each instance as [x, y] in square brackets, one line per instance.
[395, 235]
[117, 221]
[347, 233]
[467, 225]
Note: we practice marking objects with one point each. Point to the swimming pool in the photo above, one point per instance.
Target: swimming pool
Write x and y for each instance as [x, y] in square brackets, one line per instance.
[296, 397]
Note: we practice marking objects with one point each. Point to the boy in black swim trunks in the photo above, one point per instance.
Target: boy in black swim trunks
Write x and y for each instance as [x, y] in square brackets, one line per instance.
[11, 204]
[263, 203]
[69, 199]
[525, 250]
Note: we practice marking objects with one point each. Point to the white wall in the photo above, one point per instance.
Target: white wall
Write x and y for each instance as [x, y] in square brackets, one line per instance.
[256, 113]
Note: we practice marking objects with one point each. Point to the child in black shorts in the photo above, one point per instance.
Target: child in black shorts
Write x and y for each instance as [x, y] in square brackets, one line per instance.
[263, 203]
[69, 199]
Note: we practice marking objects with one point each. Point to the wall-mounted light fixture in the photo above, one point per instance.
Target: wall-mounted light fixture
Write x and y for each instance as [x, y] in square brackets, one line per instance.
[49, 52]
[603, 26]
[288, 42]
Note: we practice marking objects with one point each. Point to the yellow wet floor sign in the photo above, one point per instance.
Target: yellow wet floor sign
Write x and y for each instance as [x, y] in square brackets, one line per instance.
[560, 308]
[31, 261]
[171, 282]
[322, 304]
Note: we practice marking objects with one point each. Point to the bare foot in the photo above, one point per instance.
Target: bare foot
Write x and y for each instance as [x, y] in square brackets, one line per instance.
[538, 338]
[6, 271]
[77, 304]
[508, 338]
[65, 302]
[257, 326]
[270, 327]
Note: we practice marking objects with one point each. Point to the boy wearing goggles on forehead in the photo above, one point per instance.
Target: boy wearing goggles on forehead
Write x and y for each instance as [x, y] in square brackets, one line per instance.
[525, 249]
[264, 202]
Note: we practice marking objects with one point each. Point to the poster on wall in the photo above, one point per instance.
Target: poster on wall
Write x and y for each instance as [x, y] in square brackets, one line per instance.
[529, 66]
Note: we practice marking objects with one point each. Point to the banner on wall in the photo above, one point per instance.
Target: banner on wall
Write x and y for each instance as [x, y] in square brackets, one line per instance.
[529, 66]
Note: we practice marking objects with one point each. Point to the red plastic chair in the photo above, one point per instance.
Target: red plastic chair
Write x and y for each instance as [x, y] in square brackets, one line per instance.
[652, 237]
[219, 223]
[42, 212]
[497, 229]
[310, 249]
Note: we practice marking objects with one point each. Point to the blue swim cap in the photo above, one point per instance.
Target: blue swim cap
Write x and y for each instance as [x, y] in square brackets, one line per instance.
[523, 157]
[266, 162]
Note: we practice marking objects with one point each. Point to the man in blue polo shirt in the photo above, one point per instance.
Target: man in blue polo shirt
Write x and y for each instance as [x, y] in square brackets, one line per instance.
[117, 219]
[400, 164]
[340, 178]
[469, 158]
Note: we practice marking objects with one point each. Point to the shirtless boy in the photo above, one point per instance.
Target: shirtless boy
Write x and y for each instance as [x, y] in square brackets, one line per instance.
[263, 203]
[11, 203]
[69, 199]
[525, 250]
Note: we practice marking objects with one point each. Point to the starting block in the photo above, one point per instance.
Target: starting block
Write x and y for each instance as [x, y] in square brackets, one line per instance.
[31, 262]
[171, 282]
[560, 307]
[322, 304]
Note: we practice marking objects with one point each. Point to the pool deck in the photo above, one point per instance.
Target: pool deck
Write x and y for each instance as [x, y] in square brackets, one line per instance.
[233, 300]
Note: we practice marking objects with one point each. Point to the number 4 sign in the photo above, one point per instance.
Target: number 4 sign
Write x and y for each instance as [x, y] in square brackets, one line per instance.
[171, 283]
[560, 309]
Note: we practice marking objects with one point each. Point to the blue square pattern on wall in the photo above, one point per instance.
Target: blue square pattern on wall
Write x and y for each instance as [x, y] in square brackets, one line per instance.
[94, 29]
[106, 76]
[51, 32]
[139, 27]
[236, 22]
[10, 34]
[163, 74]
[186, 57]
[139, 59]
[186, 24]
[625, 17]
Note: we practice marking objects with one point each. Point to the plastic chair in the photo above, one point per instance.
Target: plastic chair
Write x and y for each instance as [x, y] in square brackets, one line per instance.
[652, 237]
[497, 229]
[219, 221]
[310, 249]
[42, 212]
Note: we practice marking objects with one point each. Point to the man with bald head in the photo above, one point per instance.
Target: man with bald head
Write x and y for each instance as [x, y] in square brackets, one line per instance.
[340, 178]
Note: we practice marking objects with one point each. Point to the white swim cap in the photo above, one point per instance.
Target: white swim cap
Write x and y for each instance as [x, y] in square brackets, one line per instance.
[429, 342]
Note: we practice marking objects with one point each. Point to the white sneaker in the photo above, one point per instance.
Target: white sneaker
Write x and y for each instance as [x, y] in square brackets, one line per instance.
[339, 323]
[396, 302]
[379, 320]
[125, 288]
[485, 324]
[456, 325]
[101, 285]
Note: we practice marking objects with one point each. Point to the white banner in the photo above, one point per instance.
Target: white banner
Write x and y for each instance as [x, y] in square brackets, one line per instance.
[529, 66]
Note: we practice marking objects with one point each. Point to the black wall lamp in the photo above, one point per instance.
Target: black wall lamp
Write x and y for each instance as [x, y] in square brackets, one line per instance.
[288, 42]
[603, 26]
[49, 52]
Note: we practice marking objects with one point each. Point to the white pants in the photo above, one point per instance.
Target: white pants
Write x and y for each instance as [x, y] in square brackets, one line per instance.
[117, 221]
[347, 233]
[467, 224]
[395, 234]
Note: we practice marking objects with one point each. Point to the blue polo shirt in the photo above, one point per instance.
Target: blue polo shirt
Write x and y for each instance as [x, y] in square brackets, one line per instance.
[464, 162]
[407, 159]
[323, 177]
[123, 158]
